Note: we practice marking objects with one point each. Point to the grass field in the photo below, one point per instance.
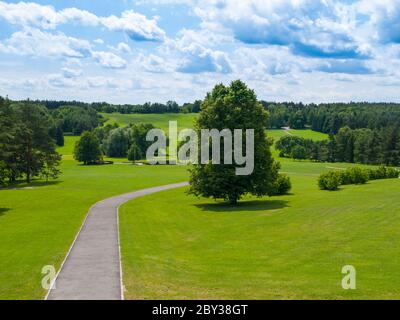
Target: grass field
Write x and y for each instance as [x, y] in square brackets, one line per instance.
[292, 247]
[187, 121]
[306, 133]
[160, 121]
[39, 222]
[178, 246]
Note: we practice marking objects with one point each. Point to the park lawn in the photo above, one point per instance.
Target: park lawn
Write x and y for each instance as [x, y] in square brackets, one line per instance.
[160, 121]
[69, 145]
[187, 121]
[39, 222]
[306, 133]
[176, 246]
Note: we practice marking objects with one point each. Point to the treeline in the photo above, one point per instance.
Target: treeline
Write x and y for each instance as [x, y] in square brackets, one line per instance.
[146, 108]
[114, 142]
[334, 178]
[329, 118]
[366, 146]
[75, 119]
[27, 148]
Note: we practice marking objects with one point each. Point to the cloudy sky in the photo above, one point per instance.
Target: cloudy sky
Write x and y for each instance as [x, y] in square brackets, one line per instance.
[125, 51]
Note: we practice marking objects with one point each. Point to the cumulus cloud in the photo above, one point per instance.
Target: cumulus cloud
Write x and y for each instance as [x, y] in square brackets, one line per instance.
[153, 63]
[137, 26]
[35, 42]
[109, 60]
[71, 73]
[122, 47]
[314, 28]
[198, 59]
[345, 66]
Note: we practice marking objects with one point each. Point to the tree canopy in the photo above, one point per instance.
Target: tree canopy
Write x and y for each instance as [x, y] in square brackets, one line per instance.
[234, 107]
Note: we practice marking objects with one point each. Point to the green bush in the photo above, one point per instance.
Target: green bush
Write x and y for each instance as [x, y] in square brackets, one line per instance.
[383, 173]
[333, 179]
[354, 175]
[392, 173]
[282, 185]
[329, 181]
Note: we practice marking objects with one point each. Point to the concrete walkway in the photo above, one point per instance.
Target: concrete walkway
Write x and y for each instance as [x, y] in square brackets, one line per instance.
[92, 267]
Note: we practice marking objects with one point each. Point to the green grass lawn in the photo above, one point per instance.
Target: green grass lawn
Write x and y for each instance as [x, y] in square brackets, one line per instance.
[69, 145]
[187, 121]
[306, 133]
[39, 222]
[176, 246]
[292, 247]
[160, 121]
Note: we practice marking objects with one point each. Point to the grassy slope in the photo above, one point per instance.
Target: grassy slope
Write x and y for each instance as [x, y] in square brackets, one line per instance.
[187, 121]
[37, 226]
[158, 120]
[282, 247]
[308, 134]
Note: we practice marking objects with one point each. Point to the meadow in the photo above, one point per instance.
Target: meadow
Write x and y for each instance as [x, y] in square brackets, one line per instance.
[160, 121]
[178, 246]
[38, 222]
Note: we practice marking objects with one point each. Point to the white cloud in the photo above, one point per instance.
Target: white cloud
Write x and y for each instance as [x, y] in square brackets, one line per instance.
[154, 63]
[109, 60]
[99, 41]
[35, 42]
[71, 73]
[30, 14]
[122, 47]
[136, 25]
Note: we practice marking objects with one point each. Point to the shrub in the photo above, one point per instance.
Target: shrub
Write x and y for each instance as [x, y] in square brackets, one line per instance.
[354, 175]
[134, 153]
[329, 181]
[392, 173]
[383, 173]
[282, 185]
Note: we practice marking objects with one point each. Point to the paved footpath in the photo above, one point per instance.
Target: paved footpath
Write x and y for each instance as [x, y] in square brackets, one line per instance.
[92, 268]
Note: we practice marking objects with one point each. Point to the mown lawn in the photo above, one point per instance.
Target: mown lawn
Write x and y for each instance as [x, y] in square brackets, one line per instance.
[187, 121]
[176, 246]
[306, 133]
[160, 121]
[39, 222]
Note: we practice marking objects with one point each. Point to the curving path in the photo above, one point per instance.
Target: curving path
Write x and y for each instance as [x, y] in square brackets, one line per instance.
[92, 267]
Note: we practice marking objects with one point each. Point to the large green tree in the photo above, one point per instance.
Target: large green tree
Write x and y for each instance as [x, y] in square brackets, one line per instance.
[87, 149]
[234, 107]
[25, 142]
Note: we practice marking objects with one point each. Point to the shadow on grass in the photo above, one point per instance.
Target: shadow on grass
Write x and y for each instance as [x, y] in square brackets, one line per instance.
[3, 211]
[254, 205]
[33, 184]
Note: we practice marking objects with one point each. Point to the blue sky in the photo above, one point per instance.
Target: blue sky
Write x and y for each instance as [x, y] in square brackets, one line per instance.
[125, 51]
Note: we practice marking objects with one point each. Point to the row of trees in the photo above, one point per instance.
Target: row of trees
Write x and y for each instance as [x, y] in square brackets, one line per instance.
[126, 142]
[379, 146]
[148, 107]
[27, 148]
[329, 118]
